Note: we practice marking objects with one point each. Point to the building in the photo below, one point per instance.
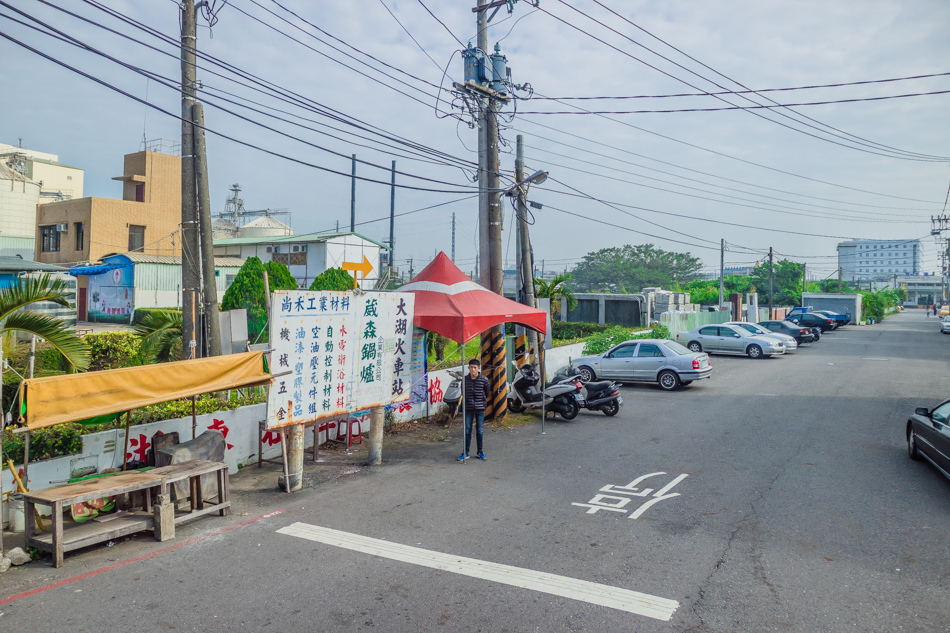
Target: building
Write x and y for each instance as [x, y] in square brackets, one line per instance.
[922, 290]
[863, 260]
[111, 291]
[145, 220]
[29, 178]
[307, 255]
[12, 268]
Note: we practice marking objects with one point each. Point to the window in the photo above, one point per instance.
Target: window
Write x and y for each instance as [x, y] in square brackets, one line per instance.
[709, 331]
[623, 352]
[941, 413]
[269, 249]
[80, 237]
[50, 238]
[136, 238]
[648, 350]
[69, 177]
[140, 193]
[228, 280]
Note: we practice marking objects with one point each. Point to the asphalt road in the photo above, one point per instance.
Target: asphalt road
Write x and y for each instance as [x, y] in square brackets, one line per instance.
[800, 511]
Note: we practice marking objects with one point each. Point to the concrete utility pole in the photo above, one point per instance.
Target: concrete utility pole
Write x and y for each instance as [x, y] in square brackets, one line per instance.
[190, 254]
[770, 282]
[212, 329]
[484, 259]
[804, 281]
[392, 220]
[722, 270]
[527, 272]
[353, 197]
[840, 273]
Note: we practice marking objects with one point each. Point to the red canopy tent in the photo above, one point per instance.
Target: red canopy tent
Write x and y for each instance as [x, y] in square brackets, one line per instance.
[451, 304]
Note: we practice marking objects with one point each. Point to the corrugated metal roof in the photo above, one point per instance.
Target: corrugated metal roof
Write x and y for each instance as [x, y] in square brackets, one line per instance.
[143, 258]
[15, 264]
[11, 174]
[292, 239]
[46, 161]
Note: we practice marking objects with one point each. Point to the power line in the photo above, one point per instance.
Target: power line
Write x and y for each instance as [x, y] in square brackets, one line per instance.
[740, 92]
[755, 107]
[436, 18]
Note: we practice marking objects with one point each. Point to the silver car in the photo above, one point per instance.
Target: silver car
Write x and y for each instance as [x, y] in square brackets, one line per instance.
[945, 325]
[729, 339]
[665, 362]
[754, 328]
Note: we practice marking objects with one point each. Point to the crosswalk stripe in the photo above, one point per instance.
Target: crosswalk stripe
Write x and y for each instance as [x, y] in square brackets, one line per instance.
[586, 591]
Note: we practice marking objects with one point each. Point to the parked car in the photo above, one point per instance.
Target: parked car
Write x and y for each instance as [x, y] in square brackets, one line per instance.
[945, 325]
[928, 436]
[728, 339]
[810, 319]
[837, 317]
[665, 362]
[754, 328]
[797, 332]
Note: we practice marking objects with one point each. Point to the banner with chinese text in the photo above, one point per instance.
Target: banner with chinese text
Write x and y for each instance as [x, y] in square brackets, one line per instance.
[344, 351]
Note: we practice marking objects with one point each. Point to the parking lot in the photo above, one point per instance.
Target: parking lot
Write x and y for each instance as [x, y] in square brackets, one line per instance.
[775, 496]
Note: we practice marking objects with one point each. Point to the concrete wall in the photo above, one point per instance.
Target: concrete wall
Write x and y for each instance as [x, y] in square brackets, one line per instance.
[18, 200]
[58, 179]
[605, 308]
[678, 322]
[843, 303]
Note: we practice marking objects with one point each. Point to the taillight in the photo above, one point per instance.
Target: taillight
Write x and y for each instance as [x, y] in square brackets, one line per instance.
[803, 331]
[695, 363]
[578, 385]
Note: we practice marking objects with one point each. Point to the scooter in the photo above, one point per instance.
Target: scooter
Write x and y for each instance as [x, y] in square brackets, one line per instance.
[453, 393]
[603, 395]
[561, 397]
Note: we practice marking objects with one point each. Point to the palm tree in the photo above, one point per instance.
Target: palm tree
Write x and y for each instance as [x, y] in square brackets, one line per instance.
[556, 289]
[159, 333]
[14, 317]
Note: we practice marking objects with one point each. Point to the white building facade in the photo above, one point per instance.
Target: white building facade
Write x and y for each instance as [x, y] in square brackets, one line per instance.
[862, 260]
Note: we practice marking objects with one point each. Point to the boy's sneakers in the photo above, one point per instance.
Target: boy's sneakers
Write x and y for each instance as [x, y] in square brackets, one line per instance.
[463, 457]
[481, 456]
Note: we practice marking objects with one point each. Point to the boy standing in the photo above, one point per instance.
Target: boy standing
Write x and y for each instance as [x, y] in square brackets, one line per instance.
[476, 399]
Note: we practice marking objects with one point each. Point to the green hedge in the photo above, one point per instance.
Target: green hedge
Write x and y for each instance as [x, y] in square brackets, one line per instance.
[113, 350]
[569, 330]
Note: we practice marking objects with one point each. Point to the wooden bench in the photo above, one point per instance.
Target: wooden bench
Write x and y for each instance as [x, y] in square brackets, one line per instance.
[64, 539]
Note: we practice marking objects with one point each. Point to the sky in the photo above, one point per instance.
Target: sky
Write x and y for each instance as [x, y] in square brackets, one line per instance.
[682, 181]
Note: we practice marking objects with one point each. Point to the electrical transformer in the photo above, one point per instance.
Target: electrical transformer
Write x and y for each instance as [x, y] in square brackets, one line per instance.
[500, 71]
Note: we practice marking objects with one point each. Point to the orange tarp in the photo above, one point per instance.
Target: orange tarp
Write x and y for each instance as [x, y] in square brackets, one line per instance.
[73, 397]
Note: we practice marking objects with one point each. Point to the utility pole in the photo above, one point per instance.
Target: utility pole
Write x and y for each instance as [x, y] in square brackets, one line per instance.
[770, 282]
[804, 280]
[722, 271]
[453, 236]
[190, 254]
[353, 197]
[484, 259]
[392, 220]
[212, 330]
[840, 273]
[527, 274]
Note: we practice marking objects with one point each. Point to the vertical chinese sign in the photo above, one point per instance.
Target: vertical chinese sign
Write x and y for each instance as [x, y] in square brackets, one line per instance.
[339, 352]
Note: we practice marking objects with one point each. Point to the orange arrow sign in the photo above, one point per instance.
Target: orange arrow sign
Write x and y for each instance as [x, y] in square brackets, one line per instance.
[364, 268]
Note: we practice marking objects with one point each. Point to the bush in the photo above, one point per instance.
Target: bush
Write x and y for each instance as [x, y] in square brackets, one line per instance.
[112, 350]
[279, 277]
[569, 330]
[141, 313]
[247, 292]
[603, 341]
[333, 279]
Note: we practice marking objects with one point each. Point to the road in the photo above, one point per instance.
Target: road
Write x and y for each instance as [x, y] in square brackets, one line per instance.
[799, 511]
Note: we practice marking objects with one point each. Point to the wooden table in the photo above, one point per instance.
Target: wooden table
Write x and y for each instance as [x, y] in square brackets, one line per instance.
[64, 539]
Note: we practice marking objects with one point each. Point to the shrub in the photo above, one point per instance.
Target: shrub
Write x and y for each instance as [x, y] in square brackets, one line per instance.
[603, 341]
[112, 350]
[333, 279]
[247, 292]
[279, 277]
[568, 330]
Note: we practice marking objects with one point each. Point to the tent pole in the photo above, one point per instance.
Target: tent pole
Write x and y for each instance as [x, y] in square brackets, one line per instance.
[464, 434]
[125, 448]
[26, 459]
[544, 397]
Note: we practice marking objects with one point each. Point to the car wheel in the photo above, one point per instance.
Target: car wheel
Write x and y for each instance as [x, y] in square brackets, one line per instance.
[586, 373]
[817, 336]
[754, 351]
[694, 346]
[912, 443]
[515, 406]
[668, 380]
[611, 409]
[572, 409]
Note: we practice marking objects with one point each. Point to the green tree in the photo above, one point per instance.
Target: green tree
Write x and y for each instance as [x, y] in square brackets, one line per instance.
[556, 290]
[333, 279]
[15, 317]
[160, 335]
[786, 282]
[247, 292]
[634, 267]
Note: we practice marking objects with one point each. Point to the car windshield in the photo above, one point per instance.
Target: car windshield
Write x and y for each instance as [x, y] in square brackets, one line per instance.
[676, 348]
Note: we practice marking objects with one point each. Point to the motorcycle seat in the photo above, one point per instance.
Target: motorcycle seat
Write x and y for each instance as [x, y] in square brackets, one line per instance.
[597, 386]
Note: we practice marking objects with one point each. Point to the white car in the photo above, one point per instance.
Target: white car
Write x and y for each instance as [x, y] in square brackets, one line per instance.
[790, 343]
[945, 325]
[730, 339]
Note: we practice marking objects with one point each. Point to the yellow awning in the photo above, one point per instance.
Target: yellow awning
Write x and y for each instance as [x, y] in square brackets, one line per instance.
[73, 397]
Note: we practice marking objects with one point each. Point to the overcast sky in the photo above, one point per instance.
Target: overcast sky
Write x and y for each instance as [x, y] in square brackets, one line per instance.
[716, 167]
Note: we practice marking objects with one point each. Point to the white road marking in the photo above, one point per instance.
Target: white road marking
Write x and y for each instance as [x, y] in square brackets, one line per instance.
[875, 359]
[583, 590]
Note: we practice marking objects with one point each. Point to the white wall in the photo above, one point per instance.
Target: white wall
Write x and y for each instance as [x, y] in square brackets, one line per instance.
[18, 200]
[56, 178]
[350, 248]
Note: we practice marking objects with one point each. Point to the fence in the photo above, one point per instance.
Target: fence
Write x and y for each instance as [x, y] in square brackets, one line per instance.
[678, 322]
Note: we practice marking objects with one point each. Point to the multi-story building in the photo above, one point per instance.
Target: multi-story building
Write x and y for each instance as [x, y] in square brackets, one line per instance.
[28, 178]
[146, 219]
[863, 260]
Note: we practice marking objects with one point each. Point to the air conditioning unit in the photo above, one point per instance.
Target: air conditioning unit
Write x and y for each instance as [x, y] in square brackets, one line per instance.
[62, 228]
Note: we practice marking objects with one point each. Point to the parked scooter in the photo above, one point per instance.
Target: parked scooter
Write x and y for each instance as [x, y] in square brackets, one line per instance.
[603, 395]
[561, 398]
[453, 393]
